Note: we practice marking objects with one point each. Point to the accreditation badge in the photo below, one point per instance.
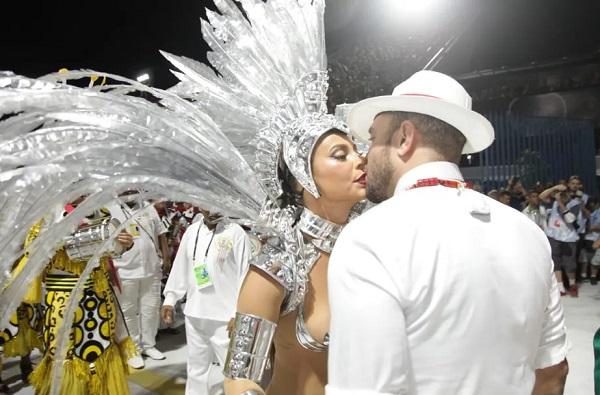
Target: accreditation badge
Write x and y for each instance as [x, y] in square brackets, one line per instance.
[203, 279]
[134, 230]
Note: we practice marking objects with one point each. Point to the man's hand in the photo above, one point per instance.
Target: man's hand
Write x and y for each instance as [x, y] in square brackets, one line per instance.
[166, 314]
[230, 327]
[125, 239]
[551, 380]
[560, 187]
[166, 266]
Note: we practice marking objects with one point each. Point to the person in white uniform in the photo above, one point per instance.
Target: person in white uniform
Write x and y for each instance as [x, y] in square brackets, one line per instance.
[209, 268]
[140, 272]
[439, 289]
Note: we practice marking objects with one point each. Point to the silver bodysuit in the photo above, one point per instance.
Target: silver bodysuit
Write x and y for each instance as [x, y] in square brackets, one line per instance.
[290, 262]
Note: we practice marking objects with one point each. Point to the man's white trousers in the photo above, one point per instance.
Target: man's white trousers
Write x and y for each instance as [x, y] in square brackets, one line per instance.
[207, 342]
[140, 301]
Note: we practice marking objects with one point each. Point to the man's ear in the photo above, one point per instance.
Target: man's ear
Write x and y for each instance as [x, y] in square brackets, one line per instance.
[405, 138]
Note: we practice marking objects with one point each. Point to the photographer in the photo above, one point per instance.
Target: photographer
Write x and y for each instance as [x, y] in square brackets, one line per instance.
[564, 223]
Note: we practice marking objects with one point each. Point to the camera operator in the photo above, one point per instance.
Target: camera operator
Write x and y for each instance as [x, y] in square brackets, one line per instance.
[564, 223]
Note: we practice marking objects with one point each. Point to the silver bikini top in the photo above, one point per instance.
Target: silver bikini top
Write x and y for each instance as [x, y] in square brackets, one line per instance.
[289, 262]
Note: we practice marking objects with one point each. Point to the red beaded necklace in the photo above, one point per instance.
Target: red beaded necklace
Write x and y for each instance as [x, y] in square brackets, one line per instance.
[432, 182]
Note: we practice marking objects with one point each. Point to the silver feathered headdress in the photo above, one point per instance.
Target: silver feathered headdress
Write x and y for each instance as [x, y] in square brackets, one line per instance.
[272, 98]
[211, 140]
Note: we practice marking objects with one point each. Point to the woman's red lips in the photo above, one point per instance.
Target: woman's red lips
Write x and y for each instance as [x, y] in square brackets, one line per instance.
[362, 180]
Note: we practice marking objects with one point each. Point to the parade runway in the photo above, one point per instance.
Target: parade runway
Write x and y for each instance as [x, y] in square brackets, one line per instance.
[167, 377]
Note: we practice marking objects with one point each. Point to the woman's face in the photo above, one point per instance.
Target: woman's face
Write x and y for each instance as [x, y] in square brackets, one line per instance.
[338, 169]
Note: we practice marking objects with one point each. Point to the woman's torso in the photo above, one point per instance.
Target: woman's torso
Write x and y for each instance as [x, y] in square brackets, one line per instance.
[298, 371]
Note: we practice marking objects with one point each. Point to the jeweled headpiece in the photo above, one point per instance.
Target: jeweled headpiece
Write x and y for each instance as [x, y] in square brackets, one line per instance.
[299, 142]
[271, 101]
[215, 139]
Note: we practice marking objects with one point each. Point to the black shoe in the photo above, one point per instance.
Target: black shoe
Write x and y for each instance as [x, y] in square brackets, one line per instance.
[594, 280]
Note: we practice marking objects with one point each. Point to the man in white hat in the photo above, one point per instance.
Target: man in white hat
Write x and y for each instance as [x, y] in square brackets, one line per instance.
[439, 289]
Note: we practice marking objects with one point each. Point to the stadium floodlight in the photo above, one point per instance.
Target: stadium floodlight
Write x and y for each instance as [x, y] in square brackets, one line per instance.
[410, 6]
[143, 78]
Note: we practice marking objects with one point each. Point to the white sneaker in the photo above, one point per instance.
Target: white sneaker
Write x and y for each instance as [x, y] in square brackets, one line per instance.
[136, 362]
[153, 353]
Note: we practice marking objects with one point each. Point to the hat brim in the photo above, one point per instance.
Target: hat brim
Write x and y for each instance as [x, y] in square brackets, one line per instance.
[478, 131]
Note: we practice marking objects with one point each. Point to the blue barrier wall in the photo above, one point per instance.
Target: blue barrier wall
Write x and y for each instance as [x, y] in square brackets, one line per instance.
[537, 149]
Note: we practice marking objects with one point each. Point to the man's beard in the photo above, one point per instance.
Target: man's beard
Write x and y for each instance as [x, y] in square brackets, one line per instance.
[378, 180]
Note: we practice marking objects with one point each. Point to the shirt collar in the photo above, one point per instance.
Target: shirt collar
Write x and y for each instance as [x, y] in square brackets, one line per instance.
[442, 170]
[218, 228]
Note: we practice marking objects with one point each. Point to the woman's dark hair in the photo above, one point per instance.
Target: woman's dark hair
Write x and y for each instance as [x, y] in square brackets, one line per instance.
[288, 181]
[290, 198]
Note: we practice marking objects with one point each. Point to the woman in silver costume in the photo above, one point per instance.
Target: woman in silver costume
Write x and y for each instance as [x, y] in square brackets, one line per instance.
[306, 163]
[252, 140]
[284, 296]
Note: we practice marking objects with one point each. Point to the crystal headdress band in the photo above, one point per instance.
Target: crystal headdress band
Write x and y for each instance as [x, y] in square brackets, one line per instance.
[299, 144]
[294, 139]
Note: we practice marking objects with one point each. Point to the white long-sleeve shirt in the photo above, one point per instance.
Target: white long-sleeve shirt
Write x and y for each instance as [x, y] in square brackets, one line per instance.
[226, 257]
[142, 260]
[430, 295]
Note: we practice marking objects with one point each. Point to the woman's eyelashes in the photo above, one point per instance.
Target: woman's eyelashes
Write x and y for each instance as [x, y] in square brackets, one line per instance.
[339, 155]
[345, 155]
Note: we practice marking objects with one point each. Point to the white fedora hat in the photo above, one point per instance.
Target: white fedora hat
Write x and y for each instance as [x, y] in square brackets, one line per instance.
[431, 93]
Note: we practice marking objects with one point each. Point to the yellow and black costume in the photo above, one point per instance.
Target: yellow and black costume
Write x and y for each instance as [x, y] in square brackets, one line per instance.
[99, 345]
[24, 330]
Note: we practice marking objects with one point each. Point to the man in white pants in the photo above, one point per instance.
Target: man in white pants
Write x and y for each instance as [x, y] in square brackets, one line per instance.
[140, 273]
[210, 265]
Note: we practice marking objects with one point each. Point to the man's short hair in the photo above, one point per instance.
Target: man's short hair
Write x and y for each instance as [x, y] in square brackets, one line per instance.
[437, 134]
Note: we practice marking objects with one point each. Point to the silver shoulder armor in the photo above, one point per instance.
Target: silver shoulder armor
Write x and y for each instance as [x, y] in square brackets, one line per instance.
[249, 347]
[276, 262]
[289, 263]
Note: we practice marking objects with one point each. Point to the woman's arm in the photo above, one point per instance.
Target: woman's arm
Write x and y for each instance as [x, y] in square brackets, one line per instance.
[260, 296]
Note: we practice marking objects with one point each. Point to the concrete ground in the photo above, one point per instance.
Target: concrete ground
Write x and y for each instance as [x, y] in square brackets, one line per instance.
[167, 377]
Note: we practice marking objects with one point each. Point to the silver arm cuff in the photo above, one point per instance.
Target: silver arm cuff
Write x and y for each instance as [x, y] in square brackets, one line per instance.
[249, 347]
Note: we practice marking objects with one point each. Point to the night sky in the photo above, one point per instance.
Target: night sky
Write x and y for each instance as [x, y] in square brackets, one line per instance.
[123, 37]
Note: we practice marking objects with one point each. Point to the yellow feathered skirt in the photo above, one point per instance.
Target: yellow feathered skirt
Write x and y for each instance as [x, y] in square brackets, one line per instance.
[99, 347]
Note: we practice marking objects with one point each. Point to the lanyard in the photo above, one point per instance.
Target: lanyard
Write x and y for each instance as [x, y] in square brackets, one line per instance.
[209, 243]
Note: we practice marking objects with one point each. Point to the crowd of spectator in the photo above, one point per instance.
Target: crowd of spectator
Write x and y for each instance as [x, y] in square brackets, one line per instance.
[569, 217]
